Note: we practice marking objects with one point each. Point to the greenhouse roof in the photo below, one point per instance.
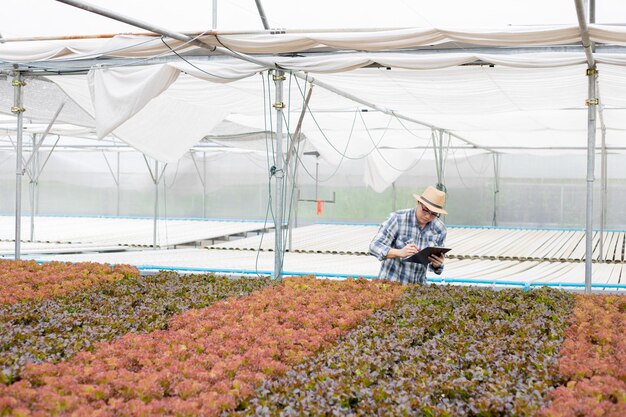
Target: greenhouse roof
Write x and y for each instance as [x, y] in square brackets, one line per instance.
[386, 95]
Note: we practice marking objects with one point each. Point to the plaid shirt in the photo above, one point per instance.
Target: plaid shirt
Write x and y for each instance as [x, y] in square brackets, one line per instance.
[395, 232]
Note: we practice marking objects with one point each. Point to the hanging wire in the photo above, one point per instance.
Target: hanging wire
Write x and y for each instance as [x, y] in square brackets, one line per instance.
[377, 144]
[343, 155]
[268, 211]
[297, 152]
[167, 240]
[376, 147]
[293, 182]
[478, 172]
[457, 168]
[175, 173]
[193, 65]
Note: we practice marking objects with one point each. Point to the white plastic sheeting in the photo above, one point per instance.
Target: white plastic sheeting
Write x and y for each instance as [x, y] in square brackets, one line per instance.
[504, 107]
[141, 46]
[528, 101]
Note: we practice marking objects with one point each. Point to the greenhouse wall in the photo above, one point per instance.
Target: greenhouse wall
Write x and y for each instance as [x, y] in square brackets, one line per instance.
[535, 191]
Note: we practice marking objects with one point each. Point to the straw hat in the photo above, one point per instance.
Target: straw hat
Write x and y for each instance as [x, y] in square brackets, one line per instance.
[433, 199]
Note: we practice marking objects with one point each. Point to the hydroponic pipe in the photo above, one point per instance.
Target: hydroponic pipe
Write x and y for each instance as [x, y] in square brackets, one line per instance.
[344, 276]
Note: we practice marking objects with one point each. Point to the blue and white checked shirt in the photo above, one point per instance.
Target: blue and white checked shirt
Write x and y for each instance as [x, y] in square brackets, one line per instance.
[402, 227]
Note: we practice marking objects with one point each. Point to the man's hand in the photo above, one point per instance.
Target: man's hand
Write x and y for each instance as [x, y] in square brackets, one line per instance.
[409, 250]
[436, 261]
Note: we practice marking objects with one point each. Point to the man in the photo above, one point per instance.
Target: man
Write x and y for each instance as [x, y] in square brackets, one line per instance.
[405, 232]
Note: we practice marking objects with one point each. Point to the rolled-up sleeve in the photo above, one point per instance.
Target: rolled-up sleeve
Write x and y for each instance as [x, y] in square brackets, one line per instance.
[383, 241]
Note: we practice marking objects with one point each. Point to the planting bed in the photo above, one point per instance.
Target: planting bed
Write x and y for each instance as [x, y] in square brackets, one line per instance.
[53, 330]
[201, 345]
[25, 280]
[438, 351]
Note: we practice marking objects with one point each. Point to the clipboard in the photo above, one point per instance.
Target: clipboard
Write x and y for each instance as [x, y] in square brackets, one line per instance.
[422, 256]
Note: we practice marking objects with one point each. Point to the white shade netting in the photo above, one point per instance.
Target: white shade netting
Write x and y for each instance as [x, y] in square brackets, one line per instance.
[512, 102]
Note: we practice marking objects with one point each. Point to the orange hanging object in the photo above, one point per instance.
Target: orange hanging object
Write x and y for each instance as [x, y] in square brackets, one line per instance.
[320, 207]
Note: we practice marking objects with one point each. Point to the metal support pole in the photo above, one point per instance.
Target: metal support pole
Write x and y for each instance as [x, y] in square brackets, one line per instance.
[156, 204]
[437, 136]
[204, 185]
[317, 175]
[393, 196]
[292, 201]
[604, 188]
[33, 186]
[18, 110]
[259, 6]
[117, 186]
[279, 198]
[37, 174]
[214, 16]
[592, 103]
[496, 187]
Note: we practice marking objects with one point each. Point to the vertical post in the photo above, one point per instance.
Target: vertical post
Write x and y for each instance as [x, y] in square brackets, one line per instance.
[562, 205]
[603, 166]
[592, 102]
[117, 186]
[317, 175]
[393, 196]
[438, 149]
[604, 188]
[293, 200]
[18, 110]
[33, 185]
[156, 204]
[496, 187]
[214, 16]
[204, 185]
[279, 203]
[36, 174]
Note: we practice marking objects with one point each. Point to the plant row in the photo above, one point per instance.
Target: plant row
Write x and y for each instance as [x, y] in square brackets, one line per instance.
[439, 351]
[26, 280]
[207, 361]
[55, 329]
[593, 360]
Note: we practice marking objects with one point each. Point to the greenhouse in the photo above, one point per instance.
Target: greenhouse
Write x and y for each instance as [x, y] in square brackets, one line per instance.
[188, 207]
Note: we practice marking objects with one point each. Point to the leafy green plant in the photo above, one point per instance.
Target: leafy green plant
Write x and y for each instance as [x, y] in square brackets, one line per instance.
[207, 360]
[438, 351]
[25, 280]
[54, 330]
[592, 362]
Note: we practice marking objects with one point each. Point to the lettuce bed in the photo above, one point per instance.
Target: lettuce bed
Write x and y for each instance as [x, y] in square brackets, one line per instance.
[200, 345]
[25, 280]
[55, 329]
[440, 351]
[208, 359]
[592, 365]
